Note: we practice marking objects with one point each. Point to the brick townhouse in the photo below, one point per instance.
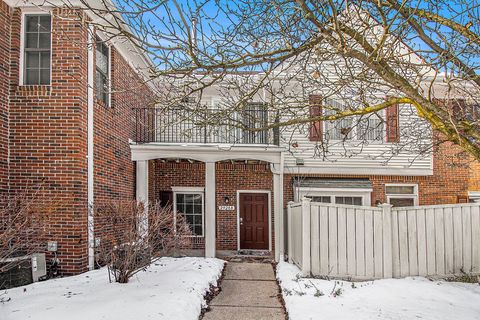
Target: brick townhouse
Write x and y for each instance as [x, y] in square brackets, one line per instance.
[56, 113]
[234, 188]
[51, 122]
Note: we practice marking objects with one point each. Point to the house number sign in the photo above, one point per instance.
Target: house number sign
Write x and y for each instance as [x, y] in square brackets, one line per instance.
[226, 208]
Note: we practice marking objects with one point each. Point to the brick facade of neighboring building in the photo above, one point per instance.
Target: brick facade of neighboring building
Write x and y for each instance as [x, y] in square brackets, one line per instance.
[47, 129]
[474, 178]
[5, 19]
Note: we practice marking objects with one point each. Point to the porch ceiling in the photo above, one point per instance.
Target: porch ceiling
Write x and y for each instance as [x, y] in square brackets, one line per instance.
[206, 152]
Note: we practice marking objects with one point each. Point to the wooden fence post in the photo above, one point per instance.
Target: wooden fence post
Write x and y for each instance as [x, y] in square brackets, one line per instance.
[289, 232]
[387, 240]
[306, 217]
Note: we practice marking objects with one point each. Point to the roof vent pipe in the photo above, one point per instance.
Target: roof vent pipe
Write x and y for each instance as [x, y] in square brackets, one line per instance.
[193, 33]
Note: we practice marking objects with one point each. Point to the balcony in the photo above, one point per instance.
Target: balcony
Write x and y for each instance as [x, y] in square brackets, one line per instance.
[207, 126]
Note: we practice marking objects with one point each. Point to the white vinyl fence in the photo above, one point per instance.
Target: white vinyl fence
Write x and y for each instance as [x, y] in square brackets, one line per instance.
[383, 242]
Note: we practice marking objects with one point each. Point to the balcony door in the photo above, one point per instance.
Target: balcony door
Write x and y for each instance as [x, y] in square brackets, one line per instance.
[255, 116]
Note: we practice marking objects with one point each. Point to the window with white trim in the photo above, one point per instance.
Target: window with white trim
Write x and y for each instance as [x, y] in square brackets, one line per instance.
[474, 196]
[321, 199]
[102, 74]
[191, 206]
[358, 197]
[402, 195]
[37, 43]
[357, 201]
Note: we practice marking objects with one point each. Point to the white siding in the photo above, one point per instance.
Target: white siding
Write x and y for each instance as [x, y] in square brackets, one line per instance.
[358, 157]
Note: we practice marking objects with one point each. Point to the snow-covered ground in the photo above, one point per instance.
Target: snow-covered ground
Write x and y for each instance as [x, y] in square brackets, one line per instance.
[411, 298]
[170, 289]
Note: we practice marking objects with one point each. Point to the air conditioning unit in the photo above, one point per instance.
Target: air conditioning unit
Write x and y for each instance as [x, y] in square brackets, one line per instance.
[25, 270]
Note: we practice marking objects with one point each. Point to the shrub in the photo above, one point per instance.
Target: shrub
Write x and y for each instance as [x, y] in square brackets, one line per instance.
[131, 236]
[24, 216]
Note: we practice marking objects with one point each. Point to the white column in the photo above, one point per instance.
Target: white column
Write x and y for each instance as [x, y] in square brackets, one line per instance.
[210, 209]
[277, 215]
[277, 170]
[142, 193]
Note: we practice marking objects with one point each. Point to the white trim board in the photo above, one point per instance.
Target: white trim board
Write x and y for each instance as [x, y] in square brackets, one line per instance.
[269, 193]
[206, 153]
[188, 189]
[368, 171]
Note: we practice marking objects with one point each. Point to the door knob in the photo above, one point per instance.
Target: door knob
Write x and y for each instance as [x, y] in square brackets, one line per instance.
[241, 221]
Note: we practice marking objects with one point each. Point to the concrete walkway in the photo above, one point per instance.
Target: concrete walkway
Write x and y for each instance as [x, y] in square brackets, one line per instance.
[249, 292]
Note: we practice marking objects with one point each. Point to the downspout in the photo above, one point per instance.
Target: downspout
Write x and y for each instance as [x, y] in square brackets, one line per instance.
[279, 224]
[90, 105]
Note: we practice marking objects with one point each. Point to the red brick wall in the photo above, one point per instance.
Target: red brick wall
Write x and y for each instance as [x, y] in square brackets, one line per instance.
[5, 18]
[474, 181]
[229, 179]
[113, 127]
[449, 181]
[183, 174]
[48, 134]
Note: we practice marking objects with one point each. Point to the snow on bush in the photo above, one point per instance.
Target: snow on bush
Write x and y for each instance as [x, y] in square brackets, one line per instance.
[171, 288]
[410, 298]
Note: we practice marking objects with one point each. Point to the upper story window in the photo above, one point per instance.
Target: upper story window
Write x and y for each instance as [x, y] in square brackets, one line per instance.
[382, 126]
[37, 49]
[102, 74]
[368, 127]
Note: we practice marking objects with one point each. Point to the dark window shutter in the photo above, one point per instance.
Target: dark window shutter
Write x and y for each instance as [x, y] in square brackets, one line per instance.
[316, 130]
[393, 125]
[165, 198]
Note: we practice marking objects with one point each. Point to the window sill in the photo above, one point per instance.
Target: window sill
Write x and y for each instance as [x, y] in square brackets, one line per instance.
[103, 104]
[358, 142]
[39, 90]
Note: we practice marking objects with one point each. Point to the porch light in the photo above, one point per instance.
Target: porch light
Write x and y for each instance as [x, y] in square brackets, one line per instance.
[226, 199]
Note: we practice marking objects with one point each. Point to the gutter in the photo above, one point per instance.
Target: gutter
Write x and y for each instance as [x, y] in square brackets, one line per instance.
[90, 106]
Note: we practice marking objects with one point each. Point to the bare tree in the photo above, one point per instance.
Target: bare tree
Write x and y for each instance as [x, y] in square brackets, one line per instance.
[360, 56]
[125, 247]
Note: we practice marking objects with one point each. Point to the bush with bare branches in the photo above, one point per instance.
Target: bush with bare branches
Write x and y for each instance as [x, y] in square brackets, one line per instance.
[24, 219]
[128, 244]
